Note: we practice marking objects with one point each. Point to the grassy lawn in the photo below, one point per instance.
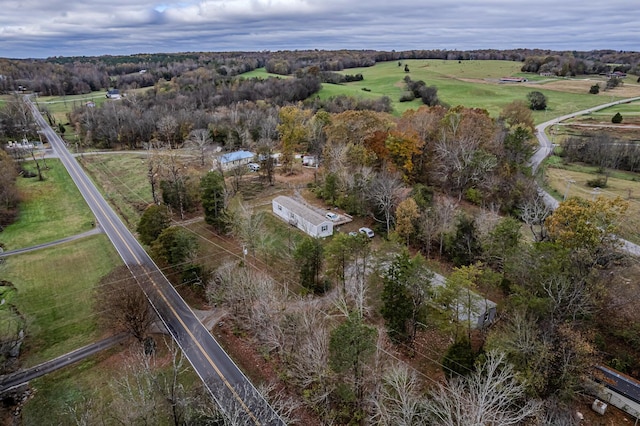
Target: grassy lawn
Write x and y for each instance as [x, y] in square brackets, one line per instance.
[50, 210]
[54, 292]
[122, 179]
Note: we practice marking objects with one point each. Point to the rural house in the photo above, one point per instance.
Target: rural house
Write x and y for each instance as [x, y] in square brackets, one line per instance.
[302, 217]
[113, 94]
[232, 160]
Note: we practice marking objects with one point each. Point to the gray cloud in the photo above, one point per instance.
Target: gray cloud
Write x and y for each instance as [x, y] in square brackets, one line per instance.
[41, 28]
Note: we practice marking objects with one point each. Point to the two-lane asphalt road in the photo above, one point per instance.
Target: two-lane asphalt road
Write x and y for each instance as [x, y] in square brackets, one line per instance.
[231, 389]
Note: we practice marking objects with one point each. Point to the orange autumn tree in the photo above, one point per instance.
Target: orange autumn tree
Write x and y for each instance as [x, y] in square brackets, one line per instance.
[403, 147]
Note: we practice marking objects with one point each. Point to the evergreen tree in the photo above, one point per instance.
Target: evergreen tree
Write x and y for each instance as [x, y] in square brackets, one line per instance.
[309, 258]
[213, 200]
[154, 220]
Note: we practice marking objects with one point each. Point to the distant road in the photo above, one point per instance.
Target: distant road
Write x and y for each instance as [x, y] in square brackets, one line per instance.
[231, 389]
[546, 148]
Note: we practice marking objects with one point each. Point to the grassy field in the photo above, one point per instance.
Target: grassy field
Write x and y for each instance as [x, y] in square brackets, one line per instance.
[54, 292]
[50, 210]
[123, 181]
[630, 114]
[475, 84]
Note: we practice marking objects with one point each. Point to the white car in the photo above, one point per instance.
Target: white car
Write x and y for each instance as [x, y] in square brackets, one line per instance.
[254, 167]
[367, 231]
[332, 216]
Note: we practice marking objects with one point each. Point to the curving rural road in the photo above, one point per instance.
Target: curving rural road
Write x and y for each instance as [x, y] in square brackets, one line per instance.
[546, 148]
[231, 389]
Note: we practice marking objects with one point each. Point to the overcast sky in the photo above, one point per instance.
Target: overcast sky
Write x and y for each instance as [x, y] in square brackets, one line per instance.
[43, 28]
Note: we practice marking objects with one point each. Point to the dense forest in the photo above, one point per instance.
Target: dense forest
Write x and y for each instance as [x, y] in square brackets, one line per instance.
[443, 184]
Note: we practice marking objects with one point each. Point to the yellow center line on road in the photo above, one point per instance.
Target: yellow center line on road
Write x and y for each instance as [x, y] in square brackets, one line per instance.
[161, 293]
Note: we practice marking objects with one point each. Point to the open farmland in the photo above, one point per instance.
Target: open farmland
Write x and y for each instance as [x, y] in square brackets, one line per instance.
[475, 84]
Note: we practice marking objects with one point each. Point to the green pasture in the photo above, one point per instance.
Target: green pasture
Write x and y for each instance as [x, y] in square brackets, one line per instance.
[50, 210]
[629, 111]
[122, 179]
[473, 84]
[261, 73]
[54, 288]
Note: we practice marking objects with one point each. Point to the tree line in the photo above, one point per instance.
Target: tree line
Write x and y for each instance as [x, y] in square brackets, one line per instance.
[59, 76]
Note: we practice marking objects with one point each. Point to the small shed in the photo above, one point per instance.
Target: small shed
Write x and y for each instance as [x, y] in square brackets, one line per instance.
[302, 217]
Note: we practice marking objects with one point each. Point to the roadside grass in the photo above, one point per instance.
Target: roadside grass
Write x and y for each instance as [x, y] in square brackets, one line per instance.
[54, 291]
[620, 184]
[50, 210]
[122, 179]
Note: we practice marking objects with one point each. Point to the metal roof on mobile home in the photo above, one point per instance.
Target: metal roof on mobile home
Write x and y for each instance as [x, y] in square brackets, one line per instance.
[300, 209]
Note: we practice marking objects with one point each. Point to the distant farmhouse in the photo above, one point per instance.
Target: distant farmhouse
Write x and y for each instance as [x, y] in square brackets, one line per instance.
[113, 94]
[232, 160]
[302, 217]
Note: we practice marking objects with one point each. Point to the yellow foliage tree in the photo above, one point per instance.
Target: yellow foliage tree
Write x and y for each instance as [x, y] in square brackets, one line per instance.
[580, 224]
[294, 133]
[406, 215]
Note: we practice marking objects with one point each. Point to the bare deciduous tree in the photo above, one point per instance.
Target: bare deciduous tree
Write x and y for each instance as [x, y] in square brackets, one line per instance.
[398, 399]
[385, 192]
[123, 305]
[491, 395]
[199, 139]
[534, 212]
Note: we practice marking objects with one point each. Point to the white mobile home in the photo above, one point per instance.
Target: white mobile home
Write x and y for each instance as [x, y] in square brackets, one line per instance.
[302, 217]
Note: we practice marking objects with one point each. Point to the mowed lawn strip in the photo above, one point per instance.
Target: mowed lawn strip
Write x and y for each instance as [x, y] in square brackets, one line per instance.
[55, 294]
[50, 210]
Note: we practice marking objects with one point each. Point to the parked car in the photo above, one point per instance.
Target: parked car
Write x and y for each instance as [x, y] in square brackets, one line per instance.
[254, 167]
[367, 231]
[332, 216]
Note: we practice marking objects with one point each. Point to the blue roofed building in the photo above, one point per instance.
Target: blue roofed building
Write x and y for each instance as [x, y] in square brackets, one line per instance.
[232, 160]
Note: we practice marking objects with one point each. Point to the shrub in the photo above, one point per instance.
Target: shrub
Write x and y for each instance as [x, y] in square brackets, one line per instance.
[599, 182]
[617, 118]
[537, 101]
[407, 97]
[595, 89]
